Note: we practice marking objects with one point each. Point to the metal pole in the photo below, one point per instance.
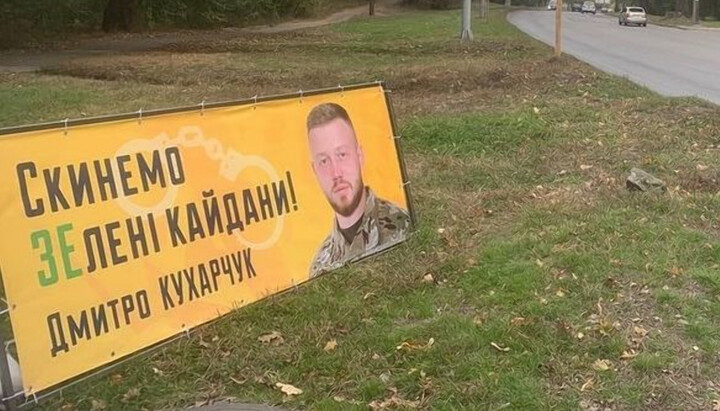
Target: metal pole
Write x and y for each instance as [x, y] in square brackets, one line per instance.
[6, 380]
[696, 11]
[558, 28]
[466, 34]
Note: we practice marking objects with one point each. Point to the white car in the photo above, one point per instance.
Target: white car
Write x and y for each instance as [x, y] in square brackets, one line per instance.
[588, 7]
[633, 15]
[552, 5]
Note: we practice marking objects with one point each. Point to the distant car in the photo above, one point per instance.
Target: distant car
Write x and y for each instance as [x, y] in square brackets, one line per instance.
[576, 7]
[633, 15]
[589, 7]
[552, 5]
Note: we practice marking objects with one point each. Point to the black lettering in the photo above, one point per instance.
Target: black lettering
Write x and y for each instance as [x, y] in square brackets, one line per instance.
[143, 304]
[78, 330]
[215, 272]
[136, 235]
[175, 167]
[212, 212]
[125, 175]
[195, 228]
[153, 232]
[227, 267]
[105, 178]
[80, 184]
[57, 335]
[232, 213]
[114, 243]
[113, 306]
[190, 281]
[292, 190]
[176, 234]
[39, 208]
[204, 280]
[249, 269]
[177, 284]
[237, 263]
[92, 236]
[128, 306]
[281, 200]
[266, 206]
[99, 319]
[166, 299]
[249, 206]
[52, 184]
[151, 173]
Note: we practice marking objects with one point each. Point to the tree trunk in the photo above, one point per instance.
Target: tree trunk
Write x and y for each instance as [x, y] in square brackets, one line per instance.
[121, 15]
[372, 7]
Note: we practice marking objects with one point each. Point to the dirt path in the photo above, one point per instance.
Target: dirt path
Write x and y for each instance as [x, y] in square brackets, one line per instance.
[30, 61]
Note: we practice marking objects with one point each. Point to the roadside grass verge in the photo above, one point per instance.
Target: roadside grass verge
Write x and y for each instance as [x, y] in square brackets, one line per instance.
[554, 287]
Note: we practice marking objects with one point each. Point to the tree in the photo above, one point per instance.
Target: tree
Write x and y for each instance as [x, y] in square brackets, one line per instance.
[123, 15]
[372, 7]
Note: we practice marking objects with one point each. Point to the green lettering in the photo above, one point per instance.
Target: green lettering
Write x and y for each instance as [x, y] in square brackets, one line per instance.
[65, 250]
[50, 277]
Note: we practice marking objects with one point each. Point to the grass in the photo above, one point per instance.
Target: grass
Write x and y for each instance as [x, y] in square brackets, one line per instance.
[521, 159]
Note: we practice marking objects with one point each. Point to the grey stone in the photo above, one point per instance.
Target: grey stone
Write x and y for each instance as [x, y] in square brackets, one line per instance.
[639, 180]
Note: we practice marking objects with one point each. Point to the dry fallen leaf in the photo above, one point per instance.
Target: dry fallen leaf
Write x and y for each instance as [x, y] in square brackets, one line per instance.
[414, 346]
[701, 167]
[376, 357]
[331, 345]
[588, 384]
[158, 371]
[585, 167]
[560, 293]
[98, 405]
[274, 338]
[601, 365]
[640, 331]
[116, 378]
[499, 348]
[203, 343]
[536, 110]
[236, 381]
[288, 389]
[627, 355]
[428, 278]
[131, 394]
[518, 321]
[580, 336]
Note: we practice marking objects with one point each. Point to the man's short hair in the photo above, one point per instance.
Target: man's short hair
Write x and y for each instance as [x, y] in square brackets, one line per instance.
[325, 113]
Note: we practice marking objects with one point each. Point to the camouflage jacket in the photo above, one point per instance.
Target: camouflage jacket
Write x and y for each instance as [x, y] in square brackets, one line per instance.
[383, 225]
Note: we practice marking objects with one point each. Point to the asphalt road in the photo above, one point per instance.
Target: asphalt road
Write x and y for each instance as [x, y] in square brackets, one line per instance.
[673, 62]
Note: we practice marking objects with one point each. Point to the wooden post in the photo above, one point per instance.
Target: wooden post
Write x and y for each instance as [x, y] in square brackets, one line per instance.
[558, 28]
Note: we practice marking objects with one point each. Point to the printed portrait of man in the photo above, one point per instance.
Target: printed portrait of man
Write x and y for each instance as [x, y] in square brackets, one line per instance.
[363, 223]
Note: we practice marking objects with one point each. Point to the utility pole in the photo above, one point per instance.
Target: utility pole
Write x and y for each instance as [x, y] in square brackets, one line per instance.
[466, 34]
[696, 11]
[558, 28]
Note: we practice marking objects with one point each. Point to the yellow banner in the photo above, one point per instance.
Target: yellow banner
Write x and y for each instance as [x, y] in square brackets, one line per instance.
[120, 234]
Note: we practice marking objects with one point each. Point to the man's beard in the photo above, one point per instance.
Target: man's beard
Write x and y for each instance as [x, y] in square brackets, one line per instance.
[347, 209]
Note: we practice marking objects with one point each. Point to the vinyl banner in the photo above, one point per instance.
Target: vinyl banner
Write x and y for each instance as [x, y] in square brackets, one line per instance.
[119, 234]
